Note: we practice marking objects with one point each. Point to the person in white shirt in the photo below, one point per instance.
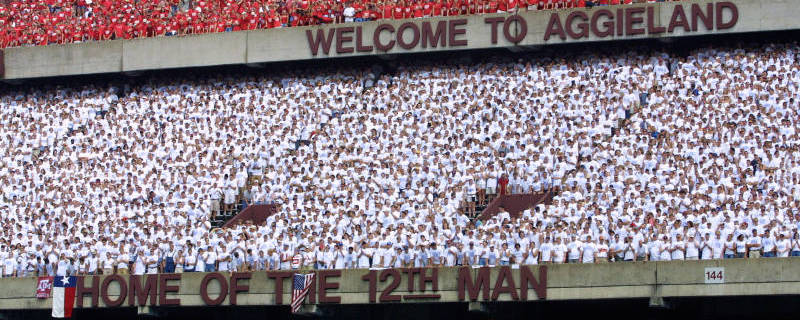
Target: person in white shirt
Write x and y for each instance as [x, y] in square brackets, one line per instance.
[588, 251]
[210, 259]
[754, 246]
[123, 262]
[108, 264]
[190, 259]
[545, 250]
[782, 246]
[729, 247]
[200, 260]
[768, 244]
[602, 250]
[559, 251]
[692, 249]
[678, 248]
[574, 250]
[139, 262]
[795, 244]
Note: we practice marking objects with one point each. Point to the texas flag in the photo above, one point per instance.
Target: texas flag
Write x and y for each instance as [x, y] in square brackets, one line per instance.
[63, 296]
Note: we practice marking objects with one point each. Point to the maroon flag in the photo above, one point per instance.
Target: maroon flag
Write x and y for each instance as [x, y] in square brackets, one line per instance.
[43, 287]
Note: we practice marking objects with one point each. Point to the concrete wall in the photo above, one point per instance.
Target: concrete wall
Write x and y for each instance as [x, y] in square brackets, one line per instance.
[288, 44]
[564, 282]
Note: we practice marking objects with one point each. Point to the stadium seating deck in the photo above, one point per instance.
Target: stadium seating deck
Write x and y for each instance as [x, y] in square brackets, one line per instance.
[653, 156]
[30, 22]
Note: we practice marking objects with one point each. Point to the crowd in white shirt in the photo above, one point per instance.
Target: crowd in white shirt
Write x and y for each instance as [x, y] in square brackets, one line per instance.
[655, 156]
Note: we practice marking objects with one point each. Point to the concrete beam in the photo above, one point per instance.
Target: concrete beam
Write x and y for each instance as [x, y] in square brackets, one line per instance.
[292, 44]
[655, 281]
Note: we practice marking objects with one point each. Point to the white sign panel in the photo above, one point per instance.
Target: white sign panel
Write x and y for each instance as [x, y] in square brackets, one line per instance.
[714, 275]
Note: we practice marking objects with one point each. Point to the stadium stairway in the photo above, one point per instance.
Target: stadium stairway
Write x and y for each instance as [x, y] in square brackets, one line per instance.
[254, 215]
[514, 204]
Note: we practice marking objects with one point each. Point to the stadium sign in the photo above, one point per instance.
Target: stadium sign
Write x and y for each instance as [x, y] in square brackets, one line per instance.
[527, 29]
[578, 24]
[476, 286]
[384, 285]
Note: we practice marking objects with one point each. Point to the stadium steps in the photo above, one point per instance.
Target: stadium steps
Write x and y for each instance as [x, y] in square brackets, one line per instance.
[514, 204]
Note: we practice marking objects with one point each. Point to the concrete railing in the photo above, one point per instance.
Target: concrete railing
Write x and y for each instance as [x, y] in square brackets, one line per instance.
[625, 280]
[656, 20]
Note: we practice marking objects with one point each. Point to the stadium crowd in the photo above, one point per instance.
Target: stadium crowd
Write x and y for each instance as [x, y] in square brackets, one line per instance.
[31, 22]
[655, 156]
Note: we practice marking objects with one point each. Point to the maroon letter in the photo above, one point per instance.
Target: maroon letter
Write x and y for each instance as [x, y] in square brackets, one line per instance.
[414, 39]
[341, 38]
[631, 19]
[314, 43]
[123, 290]
[324, 285]
[608, 24]
[376, 38]
[360, 47]
[94, 290]
[734, 15]
[279, 276]
[454, 31]
[651, 22]
[502, 277]
[163, 288]
[411, 272]
[433, 279]
[522, 30]
[235, 287]
[223, 289]
[141, 294]
[582, 26]
[493, 22]
[434, 38]
[707, 18]
[465, 283]
[678, 19]
[540, 286]
[554, 27]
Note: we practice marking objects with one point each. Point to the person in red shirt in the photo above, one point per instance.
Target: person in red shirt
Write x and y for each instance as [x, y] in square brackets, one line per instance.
[472, 7]
[439, 8]
[387, 9]
[452, 8]
[502, 182]
[276, 19]
[107, 33]
[532, 5]
[160, 29]
[427, 9]
[502, 6]
[416, 10]
[398, 10]
[493, 6]
[512, 6]
[77, 35]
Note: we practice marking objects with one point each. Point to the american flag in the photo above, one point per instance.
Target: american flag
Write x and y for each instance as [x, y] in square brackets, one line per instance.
[300, 287]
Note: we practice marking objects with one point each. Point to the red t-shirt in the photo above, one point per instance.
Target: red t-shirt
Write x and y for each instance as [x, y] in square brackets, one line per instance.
[387, 11]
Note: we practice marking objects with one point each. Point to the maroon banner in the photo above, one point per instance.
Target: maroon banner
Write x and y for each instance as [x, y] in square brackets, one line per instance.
[44, 286]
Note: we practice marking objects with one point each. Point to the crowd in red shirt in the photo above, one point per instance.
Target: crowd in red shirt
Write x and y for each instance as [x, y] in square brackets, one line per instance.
[42, 22]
